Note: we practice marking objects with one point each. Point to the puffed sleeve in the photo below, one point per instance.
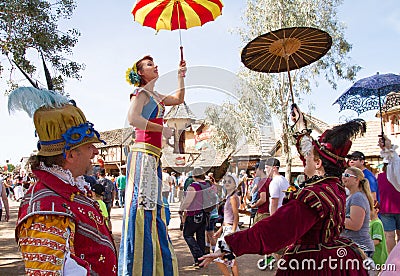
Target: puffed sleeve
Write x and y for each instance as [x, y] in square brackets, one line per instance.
[391, 157]
[284, 227]
[47, 246]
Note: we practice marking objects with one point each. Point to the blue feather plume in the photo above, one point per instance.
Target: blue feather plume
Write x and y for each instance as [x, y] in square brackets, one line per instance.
[30, 99]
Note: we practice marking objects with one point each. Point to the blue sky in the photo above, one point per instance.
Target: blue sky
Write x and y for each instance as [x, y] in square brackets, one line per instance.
[111, 41]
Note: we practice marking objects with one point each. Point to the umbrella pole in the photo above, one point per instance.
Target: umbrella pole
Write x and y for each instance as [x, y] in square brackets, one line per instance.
[380, 113]
[179, 29]
[290, 79]
[180, 37]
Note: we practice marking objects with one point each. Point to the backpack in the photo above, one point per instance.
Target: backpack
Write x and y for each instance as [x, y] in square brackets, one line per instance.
[108, 189]
[210, 197]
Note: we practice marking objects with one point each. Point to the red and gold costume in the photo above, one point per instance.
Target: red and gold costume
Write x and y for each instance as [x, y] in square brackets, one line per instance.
[55, 217]
[309, 224]
[316, 219]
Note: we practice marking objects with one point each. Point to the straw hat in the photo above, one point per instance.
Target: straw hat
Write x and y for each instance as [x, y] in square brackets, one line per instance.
[62, 129]
[60, 125]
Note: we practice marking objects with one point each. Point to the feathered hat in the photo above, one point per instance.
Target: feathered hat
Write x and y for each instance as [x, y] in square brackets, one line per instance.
[59, 123]
[334, 144]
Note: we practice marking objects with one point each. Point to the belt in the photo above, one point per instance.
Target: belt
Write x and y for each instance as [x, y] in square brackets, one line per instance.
[148, 148]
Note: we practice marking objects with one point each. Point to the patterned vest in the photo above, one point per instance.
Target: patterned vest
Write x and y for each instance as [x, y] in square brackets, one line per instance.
[91, 243]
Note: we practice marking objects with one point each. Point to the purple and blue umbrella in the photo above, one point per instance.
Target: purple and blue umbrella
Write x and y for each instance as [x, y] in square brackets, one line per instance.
[369, 93]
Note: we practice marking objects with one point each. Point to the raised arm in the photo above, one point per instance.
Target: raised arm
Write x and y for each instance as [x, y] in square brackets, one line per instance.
[179, 96]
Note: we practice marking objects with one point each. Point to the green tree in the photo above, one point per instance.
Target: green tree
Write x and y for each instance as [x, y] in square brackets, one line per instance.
[31, 27]
[231, 126]
[272, 90]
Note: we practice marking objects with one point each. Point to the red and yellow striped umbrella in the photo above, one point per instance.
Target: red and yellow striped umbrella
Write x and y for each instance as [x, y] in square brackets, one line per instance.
[176, 14]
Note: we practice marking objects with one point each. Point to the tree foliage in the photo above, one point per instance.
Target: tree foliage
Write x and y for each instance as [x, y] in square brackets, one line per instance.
[33, 25]
[231, 126]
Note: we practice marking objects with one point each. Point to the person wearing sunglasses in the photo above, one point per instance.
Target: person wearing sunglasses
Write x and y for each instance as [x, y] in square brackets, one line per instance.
[311, 220]
[359, 205]
[230, 223]
[357, 159]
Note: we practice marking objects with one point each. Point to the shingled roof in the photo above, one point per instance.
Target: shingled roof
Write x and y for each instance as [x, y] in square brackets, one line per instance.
[114, 137]
[181, 111]
[368, 144]
[205, 158]
[316, 124]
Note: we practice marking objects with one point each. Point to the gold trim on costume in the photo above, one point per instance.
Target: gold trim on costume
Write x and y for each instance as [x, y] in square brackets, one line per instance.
[147, 148]
[331, 154]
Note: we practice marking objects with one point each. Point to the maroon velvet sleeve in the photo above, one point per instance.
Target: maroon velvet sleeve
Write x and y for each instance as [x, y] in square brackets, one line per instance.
[289, 223]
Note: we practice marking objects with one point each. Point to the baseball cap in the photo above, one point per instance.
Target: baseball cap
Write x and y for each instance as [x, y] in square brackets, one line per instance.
[356, 155]
[273, 162]
[98, 189]
[198, 171]
[260, 164]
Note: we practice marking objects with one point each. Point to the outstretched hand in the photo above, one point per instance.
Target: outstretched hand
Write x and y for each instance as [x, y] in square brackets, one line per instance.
[297, 117]
[384, 142]
[182, 69]
[209, 258]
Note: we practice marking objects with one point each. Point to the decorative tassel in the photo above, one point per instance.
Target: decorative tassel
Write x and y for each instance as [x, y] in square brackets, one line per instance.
[30, 99]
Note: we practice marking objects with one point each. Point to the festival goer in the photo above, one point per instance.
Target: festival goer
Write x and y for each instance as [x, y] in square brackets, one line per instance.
[189, 180]
[194, 217]
[172, 194]
[389, 189]
[98, 195]
[278, 184]
[357, 159]
[378, 236]
[181, 182]
[145, 246]
[166, 184]
[213, 219]
[60, 230]
[121, 184]
[4, 201]
[109, 190]
[262, 204]
[243, 179]
[392, 177]
[230, 223]
[359, 205]
[9, 186]
[310, 222]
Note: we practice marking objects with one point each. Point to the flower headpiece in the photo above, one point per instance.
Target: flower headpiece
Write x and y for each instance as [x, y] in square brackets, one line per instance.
[132, 76]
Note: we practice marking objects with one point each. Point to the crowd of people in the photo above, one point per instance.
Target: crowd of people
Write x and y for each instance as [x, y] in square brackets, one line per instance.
[64, 224]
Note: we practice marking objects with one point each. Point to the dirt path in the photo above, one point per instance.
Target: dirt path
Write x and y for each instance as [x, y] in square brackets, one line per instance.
[11, 263]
